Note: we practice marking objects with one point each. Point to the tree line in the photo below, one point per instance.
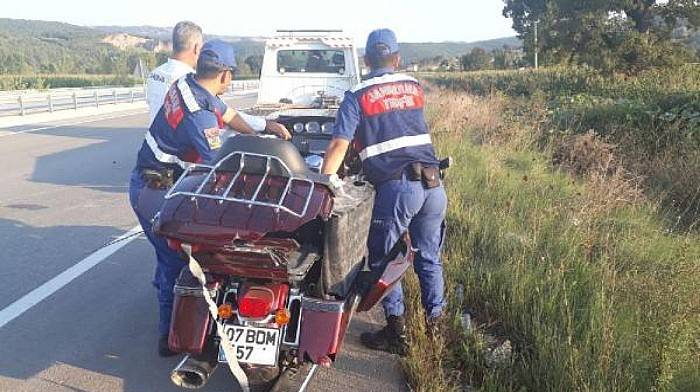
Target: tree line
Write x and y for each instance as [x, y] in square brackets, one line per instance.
[38, 47]
[479, 59]
[476, 59]
[610, 35]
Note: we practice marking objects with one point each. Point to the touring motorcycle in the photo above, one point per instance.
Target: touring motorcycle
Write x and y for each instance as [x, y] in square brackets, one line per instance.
[277, 262]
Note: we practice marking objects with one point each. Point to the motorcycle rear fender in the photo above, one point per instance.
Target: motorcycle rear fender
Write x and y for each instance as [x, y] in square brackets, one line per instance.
[380, 283]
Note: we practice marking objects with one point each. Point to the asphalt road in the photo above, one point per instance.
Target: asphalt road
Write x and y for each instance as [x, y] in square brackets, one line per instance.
[63, 195]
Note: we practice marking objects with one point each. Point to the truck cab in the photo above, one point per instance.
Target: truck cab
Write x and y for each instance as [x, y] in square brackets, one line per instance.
[301, 66]
[304, 77]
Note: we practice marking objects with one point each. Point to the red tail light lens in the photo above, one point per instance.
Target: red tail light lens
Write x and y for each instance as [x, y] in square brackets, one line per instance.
[256, 302]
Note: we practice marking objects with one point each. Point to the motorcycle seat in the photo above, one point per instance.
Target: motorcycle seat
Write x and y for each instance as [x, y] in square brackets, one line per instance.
[300, 262]
[281, 149]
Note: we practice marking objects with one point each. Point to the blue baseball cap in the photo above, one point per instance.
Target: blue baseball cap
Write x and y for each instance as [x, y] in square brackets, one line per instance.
[220, 53]
[381, 43]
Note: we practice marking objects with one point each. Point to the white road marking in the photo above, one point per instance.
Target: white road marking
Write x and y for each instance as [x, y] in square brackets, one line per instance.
[42, 292]
[70, 124]
[308, 378]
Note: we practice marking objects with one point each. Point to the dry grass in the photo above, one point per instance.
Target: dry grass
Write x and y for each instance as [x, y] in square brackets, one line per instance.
[609, 184]
[451, 112]
[653, 118]
[431, 365]
[673, 176]
[584, 154]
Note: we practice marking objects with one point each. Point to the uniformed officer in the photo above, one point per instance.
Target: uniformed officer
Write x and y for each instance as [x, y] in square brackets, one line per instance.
[187, 45]
[186, 130]
[383, 119]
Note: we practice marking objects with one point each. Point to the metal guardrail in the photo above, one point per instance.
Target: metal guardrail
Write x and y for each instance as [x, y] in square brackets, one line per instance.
[13, 103]
[30, 102]
[242, 85]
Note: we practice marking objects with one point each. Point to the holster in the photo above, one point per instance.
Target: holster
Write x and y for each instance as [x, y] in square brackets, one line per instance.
[430, 176]
[415, 171]
[158, 179]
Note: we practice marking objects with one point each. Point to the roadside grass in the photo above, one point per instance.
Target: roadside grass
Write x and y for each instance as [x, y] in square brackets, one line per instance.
[578, 271]
[653, 120]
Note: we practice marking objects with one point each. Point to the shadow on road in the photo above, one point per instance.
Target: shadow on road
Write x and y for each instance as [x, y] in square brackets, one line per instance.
[98, 333]
[31, 255]
[101, 158]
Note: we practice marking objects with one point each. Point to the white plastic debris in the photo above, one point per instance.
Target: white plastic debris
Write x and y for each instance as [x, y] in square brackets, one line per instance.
[466, 321]
[500, 355]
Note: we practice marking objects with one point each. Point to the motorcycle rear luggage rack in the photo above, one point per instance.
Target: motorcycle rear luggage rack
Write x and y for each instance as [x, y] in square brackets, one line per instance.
[253, 200]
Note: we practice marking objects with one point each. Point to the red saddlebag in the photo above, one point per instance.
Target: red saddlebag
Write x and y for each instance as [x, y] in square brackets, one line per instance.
[190, 320]
[377, 284]
[323, 325]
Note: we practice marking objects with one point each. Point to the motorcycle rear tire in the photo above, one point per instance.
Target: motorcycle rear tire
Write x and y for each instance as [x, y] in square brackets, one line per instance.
[291, 379]
[262, 379]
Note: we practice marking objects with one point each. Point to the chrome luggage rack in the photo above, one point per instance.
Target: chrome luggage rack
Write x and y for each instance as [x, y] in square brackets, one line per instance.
[253, 200]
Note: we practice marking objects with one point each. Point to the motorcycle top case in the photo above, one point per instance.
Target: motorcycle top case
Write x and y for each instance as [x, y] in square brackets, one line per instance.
[249, 208]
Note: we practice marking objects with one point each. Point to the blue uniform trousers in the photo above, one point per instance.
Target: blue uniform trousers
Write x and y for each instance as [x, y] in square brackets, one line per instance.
[146, 202]
[400, 206]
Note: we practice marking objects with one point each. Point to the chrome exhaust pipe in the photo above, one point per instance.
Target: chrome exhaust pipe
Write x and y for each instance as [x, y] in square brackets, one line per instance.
[191, 373]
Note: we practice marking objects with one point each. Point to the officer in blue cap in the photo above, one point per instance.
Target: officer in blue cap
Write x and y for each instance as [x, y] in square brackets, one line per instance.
[382, 118]
[186, 130]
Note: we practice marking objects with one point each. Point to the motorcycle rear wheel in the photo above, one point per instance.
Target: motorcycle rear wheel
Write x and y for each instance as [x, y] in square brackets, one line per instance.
[291, 379]
[261, 379]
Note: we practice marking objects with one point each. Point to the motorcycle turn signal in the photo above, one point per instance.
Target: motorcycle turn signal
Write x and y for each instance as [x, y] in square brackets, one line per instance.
[282, 317]
[225, 311]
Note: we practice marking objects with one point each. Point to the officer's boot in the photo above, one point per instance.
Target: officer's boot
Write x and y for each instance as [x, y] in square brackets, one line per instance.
[391, 338]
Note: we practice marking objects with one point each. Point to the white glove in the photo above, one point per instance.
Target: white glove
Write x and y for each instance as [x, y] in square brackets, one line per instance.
[256, 122]
[336, 183]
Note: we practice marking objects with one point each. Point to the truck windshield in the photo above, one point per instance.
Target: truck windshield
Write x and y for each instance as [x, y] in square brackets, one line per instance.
[311, 61]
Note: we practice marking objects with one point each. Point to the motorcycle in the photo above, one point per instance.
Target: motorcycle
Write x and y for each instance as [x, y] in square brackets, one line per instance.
[277, 258]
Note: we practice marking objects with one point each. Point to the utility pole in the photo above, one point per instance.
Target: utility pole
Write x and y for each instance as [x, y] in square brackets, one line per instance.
[537, 48]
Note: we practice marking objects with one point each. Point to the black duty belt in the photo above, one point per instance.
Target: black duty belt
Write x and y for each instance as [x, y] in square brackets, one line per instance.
[158, 179]
[416, 171]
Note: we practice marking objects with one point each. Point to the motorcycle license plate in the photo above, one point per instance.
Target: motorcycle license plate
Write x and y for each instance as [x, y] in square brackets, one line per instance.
[258, 346]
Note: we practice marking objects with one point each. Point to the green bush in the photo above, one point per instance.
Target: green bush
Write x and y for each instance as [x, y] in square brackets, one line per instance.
[557, 82]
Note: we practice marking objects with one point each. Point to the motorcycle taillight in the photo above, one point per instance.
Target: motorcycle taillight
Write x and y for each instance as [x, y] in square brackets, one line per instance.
[256, 303]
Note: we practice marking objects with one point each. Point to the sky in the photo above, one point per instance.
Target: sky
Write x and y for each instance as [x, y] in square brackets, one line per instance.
[413, 20]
